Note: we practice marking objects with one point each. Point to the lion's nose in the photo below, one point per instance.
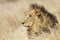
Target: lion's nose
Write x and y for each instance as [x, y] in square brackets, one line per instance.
[23, 22]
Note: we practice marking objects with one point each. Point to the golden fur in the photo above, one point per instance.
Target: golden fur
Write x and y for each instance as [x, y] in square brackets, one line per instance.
[39, 20]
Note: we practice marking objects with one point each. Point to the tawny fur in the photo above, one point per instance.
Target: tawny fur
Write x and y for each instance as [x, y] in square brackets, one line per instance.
[39, 21]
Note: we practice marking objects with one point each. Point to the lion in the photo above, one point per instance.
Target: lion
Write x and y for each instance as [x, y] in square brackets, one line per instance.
[39, 21]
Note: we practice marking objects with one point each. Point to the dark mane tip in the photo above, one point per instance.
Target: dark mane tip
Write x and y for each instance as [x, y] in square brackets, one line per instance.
[35, 5]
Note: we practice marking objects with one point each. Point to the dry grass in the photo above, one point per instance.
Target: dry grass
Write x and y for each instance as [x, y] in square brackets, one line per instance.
[12, 13]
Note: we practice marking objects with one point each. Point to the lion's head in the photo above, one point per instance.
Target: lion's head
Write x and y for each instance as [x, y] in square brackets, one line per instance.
[39, 20]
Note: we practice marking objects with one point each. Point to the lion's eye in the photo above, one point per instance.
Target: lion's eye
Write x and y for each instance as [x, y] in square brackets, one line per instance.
[30, 15]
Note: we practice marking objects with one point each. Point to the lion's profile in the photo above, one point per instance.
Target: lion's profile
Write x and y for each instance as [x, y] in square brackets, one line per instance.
[39, 20]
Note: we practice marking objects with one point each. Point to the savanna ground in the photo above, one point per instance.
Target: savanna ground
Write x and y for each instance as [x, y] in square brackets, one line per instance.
[12, 14]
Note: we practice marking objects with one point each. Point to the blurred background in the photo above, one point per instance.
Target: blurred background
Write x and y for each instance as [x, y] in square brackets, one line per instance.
[12, 14]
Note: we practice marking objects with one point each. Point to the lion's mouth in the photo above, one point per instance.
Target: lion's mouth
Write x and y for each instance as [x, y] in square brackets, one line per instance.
[23, 23]
[26, 26]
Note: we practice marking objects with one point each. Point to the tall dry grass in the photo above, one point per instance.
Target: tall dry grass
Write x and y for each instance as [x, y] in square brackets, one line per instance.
[10, 25]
